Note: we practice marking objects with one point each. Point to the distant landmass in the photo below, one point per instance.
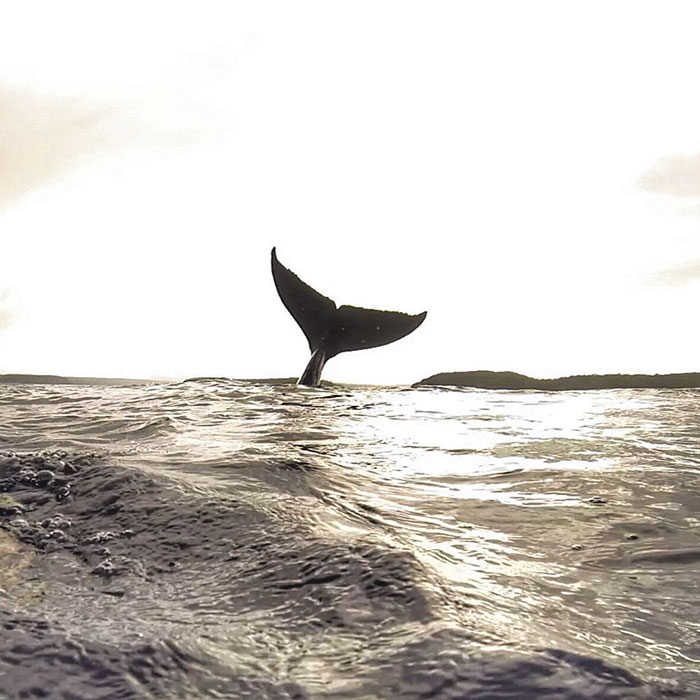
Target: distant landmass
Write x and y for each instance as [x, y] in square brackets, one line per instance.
[55, 379]
[484, 379]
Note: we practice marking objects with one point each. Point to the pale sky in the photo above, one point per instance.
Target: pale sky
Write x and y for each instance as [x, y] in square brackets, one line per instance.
[527, 172]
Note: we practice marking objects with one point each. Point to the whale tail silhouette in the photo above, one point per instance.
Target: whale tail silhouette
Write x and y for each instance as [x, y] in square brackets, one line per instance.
[331, 330]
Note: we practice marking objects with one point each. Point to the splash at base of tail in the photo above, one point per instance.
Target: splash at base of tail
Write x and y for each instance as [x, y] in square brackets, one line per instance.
[331, 330]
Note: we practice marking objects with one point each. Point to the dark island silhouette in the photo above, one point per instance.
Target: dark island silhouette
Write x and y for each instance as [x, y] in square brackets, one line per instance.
[484, 379]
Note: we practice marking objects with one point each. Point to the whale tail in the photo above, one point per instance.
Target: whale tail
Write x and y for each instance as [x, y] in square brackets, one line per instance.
[331, 330]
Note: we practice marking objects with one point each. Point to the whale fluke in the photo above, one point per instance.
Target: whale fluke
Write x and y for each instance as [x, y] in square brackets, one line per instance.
[331, 330]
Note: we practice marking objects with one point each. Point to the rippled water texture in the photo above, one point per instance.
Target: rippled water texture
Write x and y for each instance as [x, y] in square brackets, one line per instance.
[238, 539]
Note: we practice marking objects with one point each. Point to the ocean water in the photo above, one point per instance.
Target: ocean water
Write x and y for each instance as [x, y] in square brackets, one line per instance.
[239, 539]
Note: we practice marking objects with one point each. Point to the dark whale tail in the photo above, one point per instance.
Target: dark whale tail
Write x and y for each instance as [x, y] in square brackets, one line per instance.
[331, 330]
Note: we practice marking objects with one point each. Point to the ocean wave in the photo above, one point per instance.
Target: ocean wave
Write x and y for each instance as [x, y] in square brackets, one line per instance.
[140, 585]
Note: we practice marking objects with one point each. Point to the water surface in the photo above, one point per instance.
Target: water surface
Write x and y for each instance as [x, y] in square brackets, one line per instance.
[248, 539]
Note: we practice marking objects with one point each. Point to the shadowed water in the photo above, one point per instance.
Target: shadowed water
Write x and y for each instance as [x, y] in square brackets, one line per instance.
[232, 539]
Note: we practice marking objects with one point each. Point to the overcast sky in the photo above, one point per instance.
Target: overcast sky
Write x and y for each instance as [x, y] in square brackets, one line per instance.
[527, 172]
